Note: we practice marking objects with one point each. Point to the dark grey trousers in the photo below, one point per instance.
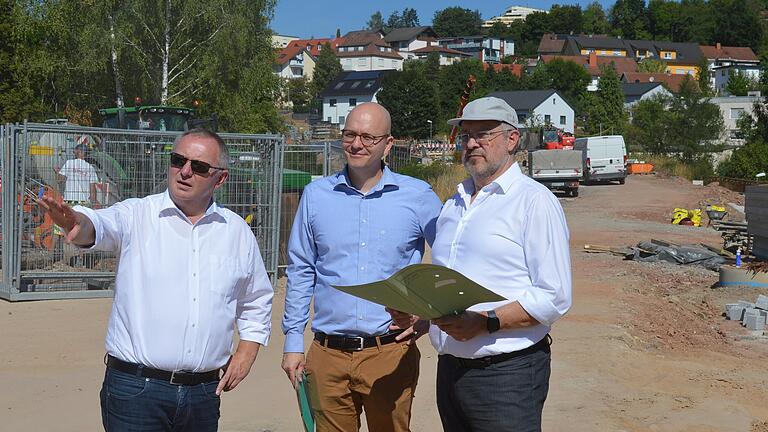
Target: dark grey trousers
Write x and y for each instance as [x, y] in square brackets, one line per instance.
[504, 397]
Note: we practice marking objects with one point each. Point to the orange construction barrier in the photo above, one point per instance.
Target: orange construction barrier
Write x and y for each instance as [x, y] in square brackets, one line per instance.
[640, 168]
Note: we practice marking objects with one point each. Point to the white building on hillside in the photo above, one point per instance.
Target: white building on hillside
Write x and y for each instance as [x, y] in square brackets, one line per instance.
[512, 14]
[349, 89]
[540, 108]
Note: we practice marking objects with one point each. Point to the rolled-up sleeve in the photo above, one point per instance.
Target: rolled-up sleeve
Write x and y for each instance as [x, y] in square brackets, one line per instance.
[111, 224]
[301, 274]
[548, 259]
[429, 211]
[254, 306]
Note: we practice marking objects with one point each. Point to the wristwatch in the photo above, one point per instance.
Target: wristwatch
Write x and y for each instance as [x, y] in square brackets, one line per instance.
[492, 323]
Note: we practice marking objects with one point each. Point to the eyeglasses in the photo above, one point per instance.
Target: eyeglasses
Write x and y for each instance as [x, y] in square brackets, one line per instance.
[368, 140]
[198, 167]
[481, 138]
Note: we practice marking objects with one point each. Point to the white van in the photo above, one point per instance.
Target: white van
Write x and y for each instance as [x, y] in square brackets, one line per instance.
[605, 158]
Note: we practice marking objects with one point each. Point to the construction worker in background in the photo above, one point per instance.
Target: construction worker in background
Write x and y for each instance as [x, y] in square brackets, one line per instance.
[80, 179]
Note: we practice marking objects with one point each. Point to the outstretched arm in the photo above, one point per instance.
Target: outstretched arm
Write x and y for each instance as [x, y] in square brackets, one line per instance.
[79, 229]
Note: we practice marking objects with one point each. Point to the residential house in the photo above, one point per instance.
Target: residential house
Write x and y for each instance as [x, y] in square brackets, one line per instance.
[294, 61]
[671, 82]
[723, 61]
[348, 90]
[408, 39]
[594, 63]
[680, 58]
[635, 92]
[282, 41]
[516, 69]
[367, 51]
[512, 14]
[447, 56]
[550, 44]
[485, 49]
[540, 107]
[731, 109]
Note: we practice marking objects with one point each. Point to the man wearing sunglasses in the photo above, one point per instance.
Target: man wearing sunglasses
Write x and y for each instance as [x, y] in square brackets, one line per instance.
[507, 233]
[190, 270]
[359, 225]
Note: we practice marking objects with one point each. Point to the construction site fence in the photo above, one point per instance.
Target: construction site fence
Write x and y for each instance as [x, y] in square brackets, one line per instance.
[116, 165]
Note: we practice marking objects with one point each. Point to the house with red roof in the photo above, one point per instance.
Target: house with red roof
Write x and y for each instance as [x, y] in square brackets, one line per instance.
[723, 61]
[593, 63]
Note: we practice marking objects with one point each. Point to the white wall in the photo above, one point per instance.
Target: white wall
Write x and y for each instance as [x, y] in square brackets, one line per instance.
[730, 108]
[556, 107]
[370, 63]
[342, 107]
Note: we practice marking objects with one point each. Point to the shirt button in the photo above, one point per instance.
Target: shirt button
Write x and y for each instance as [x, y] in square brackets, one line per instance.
[363, 221]
[194, 274]
[362, 268]
[362, 244]
[193, 325]
[189, 351]
[360, 317]
[194, 299]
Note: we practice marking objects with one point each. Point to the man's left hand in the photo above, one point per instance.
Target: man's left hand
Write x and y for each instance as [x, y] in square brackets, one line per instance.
[464, 326]
[238, 366]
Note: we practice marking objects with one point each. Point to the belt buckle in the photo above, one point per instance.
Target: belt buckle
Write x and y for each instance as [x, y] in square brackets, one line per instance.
[173, 378]
[361, 346]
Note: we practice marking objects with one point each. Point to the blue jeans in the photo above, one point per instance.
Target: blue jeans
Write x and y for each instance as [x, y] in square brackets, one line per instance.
[504, 397]
[136, 404]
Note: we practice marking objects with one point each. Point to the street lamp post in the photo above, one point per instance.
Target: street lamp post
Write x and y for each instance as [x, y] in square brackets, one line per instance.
[430, 131]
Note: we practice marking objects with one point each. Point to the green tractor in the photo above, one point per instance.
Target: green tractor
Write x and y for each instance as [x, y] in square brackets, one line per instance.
[155, 117]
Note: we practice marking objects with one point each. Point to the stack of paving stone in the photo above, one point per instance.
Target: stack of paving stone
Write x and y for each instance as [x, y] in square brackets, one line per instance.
[753, 316]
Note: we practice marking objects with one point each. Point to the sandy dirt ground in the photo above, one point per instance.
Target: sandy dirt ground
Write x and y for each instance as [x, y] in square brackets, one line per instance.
[644, 348]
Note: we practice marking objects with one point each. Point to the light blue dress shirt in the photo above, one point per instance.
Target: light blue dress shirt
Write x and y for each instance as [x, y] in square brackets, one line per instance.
[341, 236]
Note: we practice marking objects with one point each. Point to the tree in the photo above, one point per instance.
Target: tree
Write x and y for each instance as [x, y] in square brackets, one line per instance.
[300, 94]
[628, 18]
[456, 21]
[647, 131]
[500, 30]
[566, 19]
[652, 66]
[536, 25]
[327, 68]
[704, 77]
[739, 84]
[694, 124]
[594, 19]
[411, 100]
[451, 85]
[663, 20]
[736, 23]
[408, 18]
[752, 157]
[567, 77]
[376, 22]
[606, 110]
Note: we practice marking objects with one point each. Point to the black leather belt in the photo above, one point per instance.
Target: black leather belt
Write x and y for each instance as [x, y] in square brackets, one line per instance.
[479, 363]
[175, 377]
[355, 343]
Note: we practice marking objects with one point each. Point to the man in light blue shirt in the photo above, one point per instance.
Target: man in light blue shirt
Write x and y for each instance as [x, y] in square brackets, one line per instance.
[360, 225]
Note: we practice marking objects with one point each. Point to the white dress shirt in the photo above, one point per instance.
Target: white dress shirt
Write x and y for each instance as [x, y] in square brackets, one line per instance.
[180, 287]
[513, 240]
[80, 174]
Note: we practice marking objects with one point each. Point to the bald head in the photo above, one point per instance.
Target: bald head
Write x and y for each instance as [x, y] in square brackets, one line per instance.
[374, 115]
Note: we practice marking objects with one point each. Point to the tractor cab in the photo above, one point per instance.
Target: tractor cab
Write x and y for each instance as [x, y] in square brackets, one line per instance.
[159, 118]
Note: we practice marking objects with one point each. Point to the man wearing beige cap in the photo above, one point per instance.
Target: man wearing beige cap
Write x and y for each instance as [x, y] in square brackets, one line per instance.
[508, 233]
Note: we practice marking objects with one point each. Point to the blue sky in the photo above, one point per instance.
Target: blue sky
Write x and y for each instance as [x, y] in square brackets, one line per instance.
[321, 18]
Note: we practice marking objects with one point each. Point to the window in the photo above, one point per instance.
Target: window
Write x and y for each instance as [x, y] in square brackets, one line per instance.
[547, 118]
[520, 117]
[352, 102]
[360, 48]
[319, 47]
[355, 84]
[736, 113]
[554, 101]
[617, 53]
[332, 102]
[329, 119]
[562, 120]
[369, 84]
[667, 55]
[339, 85]
[341, 120]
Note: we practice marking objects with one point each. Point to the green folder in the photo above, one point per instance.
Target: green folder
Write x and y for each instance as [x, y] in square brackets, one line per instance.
[307, 419]
[427, 290]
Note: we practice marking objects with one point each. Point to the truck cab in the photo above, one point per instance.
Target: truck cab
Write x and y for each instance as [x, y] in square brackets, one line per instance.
[160, 118]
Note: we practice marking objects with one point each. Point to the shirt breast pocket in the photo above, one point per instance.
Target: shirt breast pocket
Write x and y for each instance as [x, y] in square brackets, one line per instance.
[224, 277]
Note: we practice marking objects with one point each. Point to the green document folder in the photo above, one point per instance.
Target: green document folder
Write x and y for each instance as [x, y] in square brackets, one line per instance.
[427, 290]
[304, 408]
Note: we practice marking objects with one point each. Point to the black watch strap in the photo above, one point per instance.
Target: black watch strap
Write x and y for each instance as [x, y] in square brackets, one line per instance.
[492, 323]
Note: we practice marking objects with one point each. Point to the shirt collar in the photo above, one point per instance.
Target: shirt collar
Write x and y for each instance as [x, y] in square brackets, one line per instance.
[167, 204]
[387, 179]
[503, 182]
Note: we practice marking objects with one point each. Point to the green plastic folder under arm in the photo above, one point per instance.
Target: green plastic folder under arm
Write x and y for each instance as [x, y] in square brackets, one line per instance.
[427, 290]
[304, 408]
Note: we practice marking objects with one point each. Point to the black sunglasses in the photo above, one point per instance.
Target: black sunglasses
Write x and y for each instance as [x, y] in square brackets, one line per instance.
[198, 167]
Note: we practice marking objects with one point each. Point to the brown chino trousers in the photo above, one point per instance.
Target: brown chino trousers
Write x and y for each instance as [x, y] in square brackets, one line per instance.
[380, 380]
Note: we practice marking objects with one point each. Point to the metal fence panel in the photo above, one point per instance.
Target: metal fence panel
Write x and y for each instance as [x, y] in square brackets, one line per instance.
[38, 264]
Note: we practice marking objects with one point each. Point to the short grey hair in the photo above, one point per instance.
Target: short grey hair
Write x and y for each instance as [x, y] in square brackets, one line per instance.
[205, 133]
